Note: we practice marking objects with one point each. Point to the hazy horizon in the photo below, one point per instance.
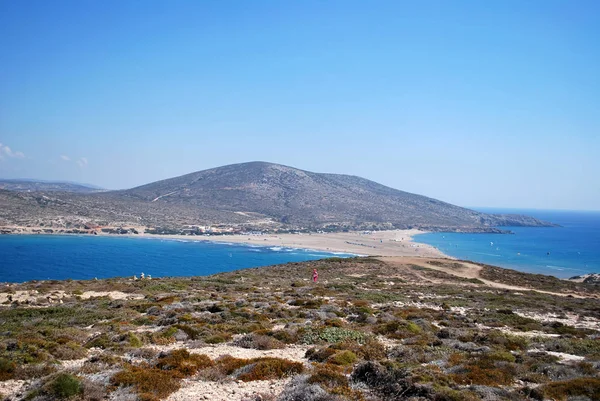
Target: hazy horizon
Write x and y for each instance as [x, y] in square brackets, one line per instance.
[493, 104]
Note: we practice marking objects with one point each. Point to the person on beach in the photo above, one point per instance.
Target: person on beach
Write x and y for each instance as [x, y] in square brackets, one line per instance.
[315, 276]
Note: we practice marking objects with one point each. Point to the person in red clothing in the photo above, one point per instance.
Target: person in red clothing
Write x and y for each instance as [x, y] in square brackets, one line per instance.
[315, 276]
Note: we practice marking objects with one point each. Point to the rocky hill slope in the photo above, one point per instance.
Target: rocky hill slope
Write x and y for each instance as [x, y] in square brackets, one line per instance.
[260, 194]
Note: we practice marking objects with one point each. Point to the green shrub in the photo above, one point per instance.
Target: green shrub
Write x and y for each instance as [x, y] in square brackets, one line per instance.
[65, 386]
[413, 328]
[102, 341]
[398, 329]
[217, 338]
[501, 356]
[134, 341]
[169, 332]
[332, 335]
[343, 358]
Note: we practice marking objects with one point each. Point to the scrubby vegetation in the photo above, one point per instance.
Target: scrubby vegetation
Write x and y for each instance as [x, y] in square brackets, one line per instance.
[367, 331]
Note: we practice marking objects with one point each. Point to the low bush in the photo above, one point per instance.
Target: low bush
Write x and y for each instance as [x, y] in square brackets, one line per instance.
[7, 369]
[319, 354]
[64, 386]
[182, 363]
[300, 390]
[253, 369]
[388, 379]
[34, 371]
[332, 335]
[343, 358]
[286, 336]
[583, 347]
[370, 350]
[134, 341]
[93, 391]
[228, 364]
[328, 375]
[271, 369]
[311, 303]
[191, 332]
[149, 383]
[487, 372]
[68, 351]
[507, 341]
[398, 329]
[218, 338]
[257, 341]
[581, 387]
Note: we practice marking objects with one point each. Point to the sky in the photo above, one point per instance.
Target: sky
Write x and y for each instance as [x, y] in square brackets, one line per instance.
[478, 103]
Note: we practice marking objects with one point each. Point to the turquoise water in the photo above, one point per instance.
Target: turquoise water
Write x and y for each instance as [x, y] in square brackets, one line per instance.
[566, 251]
[39, 257]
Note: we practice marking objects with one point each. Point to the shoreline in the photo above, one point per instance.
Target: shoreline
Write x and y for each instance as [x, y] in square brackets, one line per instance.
[375, 243]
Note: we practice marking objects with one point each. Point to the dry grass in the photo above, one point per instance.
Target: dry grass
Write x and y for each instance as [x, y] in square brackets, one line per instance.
[149, 383]
[580, 387]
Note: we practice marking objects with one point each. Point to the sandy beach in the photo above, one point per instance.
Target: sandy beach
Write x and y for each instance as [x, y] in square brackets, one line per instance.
[376, 243]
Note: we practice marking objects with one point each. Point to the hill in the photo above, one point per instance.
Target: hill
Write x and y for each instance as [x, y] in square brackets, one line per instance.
[294, 196]
[254, 195]
[25, 185]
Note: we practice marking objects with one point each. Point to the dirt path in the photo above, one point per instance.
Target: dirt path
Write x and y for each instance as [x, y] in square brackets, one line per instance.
[465, 270]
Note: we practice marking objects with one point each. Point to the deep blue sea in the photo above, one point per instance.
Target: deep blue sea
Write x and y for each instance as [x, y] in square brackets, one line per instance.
[43, 257]
[566, 251]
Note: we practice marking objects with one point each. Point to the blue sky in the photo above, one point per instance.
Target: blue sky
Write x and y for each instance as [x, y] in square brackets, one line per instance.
[479, 103]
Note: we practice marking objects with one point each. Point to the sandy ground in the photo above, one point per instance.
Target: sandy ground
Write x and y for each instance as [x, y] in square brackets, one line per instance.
[232, 390]
[377, 243]
[226, 391]
[469, 270]
[34, 297]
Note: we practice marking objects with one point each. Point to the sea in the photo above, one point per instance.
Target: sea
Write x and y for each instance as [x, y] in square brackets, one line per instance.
[569, 250]
[61, 257]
